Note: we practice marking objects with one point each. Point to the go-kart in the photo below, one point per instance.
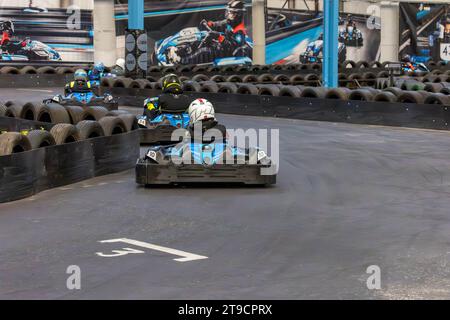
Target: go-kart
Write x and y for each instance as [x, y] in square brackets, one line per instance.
[351, 36]
[200, 162]
[314, 52]
[28, 50]
[160, 129]
[180, 47]
[414, 67]
[85, 99]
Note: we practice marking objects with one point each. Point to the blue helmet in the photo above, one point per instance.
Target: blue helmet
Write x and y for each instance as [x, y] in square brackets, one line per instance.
[80, 75]
[99, 67]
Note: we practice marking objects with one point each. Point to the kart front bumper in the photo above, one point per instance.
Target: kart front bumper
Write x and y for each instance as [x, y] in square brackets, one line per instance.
[155, 174]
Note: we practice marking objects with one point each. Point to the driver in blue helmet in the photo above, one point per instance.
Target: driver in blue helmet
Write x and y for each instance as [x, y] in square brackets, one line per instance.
[80, 84]
[97, 72]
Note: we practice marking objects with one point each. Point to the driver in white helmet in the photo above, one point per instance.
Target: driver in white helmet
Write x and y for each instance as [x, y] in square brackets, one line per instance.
[119, 68]
[202, 115]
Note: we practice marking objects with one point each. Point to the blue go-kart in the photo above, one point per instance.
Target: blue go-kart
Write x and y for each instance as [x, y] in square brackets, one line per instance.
[85, 99]
[160, 129]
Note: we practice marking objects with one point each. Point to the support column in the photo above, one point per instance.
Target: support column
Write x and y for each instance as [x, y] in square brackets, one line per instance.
[136, 15]
[104, 32]
[330, 49]
[389, 31]
[259, 32]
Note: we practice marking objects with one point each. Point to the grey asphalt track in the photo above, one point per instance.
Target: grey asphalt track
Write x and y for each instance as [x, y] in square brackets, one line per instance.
[347, 197]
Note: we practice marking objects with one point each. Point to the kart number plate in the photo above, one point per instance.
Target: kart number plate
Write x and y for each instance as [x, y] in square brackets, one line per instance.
[142, 122]
[445, 51]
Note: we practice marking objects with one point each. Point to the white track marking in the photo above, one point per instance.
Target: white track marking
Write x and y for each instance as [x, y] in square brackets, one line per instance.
[36, 90]
[186, 256]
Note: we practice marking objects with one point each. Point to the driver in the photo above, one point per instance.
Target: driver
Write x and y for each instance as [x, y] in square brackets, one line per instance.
[351, 22]
[97, 72]
[7, 30]
[80, 84]
[172, 100]
[202, 115]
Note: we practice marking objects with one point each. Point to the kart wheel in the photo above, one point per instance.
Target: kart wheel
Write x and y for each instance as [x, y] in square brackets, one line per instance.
[9, 70]
[28, 70]
[40, 139]
[46, 70]
[52, 113]
[95, 113]
[227, 87]
[89, 129]
[65, 133]
[76, 114]
[13, 142]
[112, 125]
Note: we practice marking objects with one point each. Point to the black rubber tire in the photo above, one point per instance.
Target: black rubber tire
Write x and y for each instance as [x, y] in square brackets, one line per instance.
[411, 97]
[89, 129]
[95, 113]
[29, 111]
[3, 109]
[112, 126]
[200, 77]
[76, 114]
[383, 74]
[296, 79]
[107, 82]
[282, 79]
[313, 92]
[227, 87]
[196, 69]
[9, 70]
[46, 70]
[361, 95]
[209, 86]
[346, 63]
[342, 79]
[191, 86]
[154, 69]
[116, 113]
[64, 70]
[185, 68]
[234, 78]
[247, 88]
[265, 77]
[338, 93]
[28, 70]
[312, 80]
[315, 66]
[290, 91]
[433, 87]
[394, 90]
[121, 82]
[385, 96]
[40, 139]
[375, 64]
[437, 98]
[65, 133]
[250, 78]
[13, 142]
[369, 79]
[268, 90]
[362, 64]
[14, 110]
[134, 85]
[52, 113]
[218, 78]
[130, 121]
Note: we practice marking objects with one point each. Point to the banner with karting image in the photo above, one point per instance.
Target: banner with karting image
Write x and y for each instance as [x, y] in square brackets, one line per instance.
[295, 36]
[42, 30]
[193, 32]
[424, 32]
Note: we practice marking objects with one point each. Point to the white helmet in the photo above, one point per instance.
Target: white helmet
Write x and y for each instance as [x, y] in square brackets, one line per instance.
[121, 63]
[201, 109]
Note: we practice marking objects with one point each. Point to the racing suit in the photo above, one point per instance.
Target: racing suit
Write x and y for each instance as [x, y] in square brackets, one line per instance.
[210, 124]
[166, 102]
[80, 87]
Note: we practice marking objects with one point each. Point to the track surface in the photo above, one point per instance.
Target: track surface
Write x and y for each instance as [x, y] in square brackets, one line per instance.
[347, 197]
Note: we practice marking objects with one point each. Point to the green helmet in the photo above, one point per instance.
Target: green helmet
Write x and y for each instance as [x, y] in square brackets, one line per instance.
[171, 84]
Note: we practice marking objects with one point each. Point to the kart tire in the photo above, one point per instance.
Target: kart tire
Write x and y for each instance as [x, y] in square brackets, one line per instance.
[28, 70]
[76, 114]
[247, 88]
[265, 78]
[227, 87]
[296, 79]
[14, 110]
[64, 70]
[40, 139]
[3, 109]
[209, 86]
[437, 98]
[268, 90]
[385, 96]
[52, 113]
[13, 142]
[411, 97]
[191, 86]
[89, 129]
[29, 111]
[200, 77]
[46, 70]
[130, 121]
[361, 95]
[338, 93]
[112, 126]
[95, 113]
[234, 78]
[9, 70]
[65, 133]
[282, 79]
[290, 91]
[218, 78]
[312, 92]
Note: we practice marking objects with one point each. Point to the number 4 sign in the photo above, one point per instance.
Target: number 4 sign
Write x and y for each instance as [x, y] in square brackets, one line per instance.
[445, 51]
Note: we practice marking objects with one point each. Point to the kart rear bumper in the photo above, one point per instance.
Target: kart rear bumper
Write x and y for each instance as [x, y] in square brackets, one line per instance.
[155, 174]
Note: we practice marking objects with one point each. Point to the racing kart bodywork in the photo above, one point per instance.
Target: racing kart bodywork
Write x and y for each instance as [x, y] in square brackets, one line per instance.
[30, 50]
[85, 99]
[161, 128]
[314, 52]
[351, 37]
[198, 162]
[171, 50]
[414, 67]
